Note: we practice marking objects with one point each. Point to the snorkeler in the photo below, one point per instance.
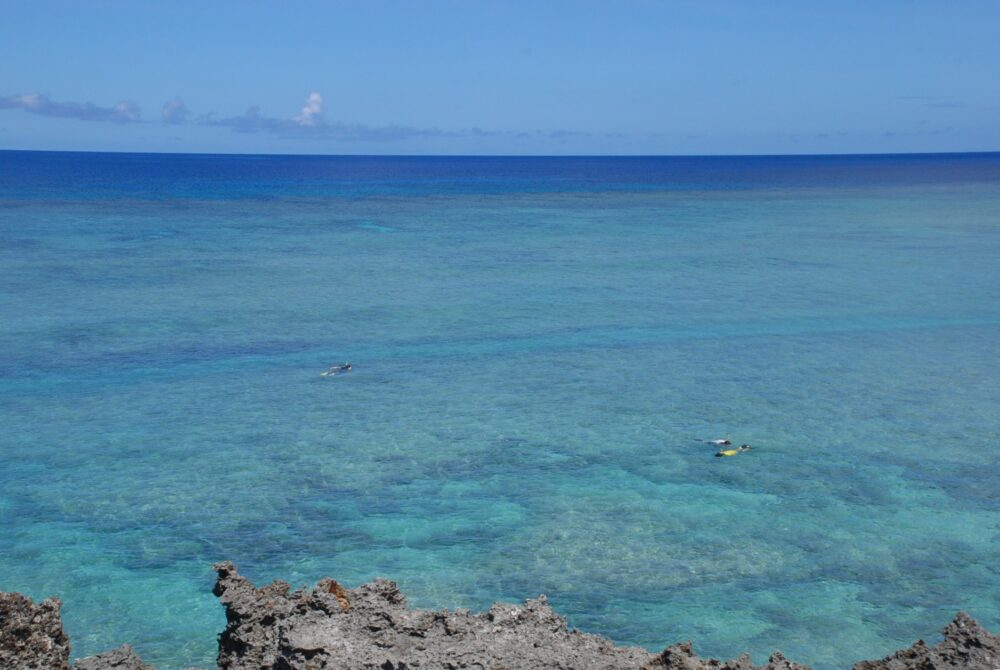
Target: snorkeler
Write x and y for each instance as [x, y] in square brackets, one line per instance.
[733, 452]
[720, 443]
[335, 369]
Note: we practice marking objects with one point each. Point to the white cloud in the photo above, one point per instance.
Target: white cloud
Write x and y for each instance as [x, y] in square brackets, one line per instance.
[309, 122]
[31, 102]
[35, 103]
[312, 114]
[175, 111]
[125, 112]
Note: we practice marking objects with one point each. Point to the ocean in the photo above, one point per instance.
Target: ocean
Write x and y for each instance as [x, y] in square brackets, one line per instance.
[541, 348]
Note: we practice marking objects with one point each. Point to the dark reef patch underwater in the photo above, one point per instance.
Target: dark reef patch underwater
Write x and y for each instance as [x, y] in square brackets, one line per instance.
[541, 348]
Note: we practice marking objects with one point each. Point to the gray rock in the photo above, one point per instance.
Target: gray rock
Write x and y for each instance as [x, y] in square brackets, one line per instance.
[31, 636]
[682, 657]
[966, 645]
[122, 658]
[371, 627]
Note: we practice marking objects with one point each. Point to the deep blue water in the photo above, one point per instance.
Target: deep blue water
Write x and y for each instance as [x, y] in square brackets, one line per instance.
[541, 347]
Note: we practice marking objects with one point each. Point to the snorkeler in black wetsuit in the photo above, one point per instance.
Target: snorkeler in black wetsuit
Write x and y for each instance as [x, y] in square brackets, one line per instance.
[335, 369]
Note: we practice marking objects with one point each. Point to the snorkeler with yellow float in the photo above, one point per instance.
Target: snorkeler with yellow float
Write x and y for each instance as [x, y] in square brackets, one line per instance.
[733, 452]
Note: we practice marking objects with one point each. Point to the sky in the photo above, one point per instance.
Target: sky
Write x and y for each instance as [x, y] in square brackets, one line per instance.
[507, 77]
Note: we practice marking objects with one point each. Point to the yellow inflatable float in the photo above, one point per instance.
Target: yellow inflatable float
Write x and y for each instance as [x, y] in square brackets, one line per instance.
[732, 452]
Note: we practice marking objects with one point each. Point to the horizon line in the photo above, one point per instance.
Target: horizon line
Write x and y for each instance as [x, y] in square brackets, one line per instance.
[346, 155]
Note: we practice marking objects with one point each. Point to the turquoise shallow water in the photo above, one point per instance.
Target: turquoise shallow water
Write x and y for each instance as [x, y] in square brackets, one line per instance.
[541, 346]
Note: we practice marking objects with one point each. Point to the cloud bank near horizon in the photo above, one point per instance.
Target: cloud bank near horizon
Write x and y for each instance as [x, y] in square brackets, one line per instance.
[308, 123]
[36, 103]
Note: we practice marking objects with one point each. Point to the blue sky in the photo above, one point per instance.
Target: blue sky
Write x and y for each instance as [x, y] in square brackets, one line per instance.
[503, 77]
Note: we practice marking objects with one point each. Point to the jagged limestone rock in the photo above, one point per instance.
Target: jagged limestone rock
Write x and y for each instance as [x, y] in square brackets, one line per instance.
[682, 657]
[966, 645]
[272, 628]
[371, 627]
[122, 658]
[31, 636]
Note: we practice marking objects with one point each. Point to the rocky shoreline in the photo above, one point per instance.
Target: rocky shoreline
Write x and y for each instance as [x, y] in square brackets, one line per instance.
[371, 627]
